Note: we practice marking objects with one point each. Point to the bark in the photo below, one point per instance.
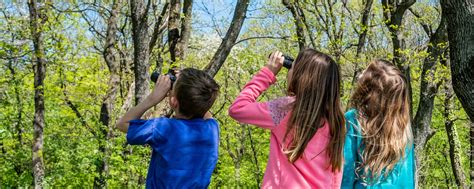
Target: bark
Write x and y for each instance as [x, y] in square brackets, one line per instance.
[37, 19]
[393, 15]
[428, 89]
[178, 40]
[111, 58]
[230, 37]
[298, 17]
[362, 36]
[453, 141]
[460, 18]
[173, 27]
[159, 27]
[141, 44]
[182, 45]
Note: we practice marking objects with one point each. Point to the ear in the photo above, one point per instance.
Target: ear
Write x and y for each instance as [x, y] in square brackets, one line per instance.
[174, 103]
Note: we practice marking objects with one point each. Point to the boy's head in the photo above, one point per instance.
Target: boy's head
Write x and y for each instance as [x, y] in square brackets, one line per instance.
[194, 93]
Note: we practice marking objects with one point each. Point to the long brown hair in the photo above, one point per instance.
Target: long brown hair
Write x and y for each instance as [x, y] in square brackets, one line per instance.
[315, 83]
[381, 99]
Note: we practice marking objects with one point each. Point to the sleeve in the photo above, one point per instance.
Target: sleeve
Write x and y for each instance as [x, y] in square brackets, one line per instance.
[141, 131]
[350, 152]
[246, 109]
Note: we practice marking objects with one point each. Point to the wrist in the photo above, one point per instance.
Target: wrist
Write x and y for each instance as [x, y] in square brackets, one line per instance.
[152, 100]
[268, 74]
[273, 69]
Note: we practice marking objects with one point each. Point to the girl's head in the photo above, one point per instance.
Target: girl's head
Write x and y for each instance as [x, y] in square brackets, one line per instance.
[314, 81]
[381, 98]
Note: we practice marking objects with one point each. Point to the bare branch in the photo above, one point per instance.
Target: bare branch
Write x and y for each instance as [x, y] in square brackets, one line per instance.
[261, 37]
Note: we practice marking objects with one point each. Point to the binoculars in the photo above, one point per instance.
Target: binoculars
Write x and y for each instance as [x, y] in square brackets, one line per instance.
[288, 61]
[154, 76]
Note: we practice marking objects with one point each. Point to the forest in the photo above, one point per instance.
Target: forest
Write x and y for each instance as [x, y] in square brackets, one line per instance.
[70, 69]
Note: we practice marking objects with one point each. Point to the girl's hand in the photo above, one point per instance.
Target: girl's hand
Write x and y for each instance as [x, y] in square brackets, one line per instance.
[275, 62]
[162, 87]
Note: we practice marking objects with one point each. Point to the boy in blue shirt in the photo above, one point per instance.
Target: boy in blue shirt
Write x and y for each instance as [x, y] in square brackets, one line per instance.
[184, 148]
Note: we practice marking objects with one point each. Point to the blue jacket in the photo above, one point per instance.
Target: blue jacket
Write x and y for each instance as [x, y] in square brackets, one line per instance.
[402, 176]
[184, 152]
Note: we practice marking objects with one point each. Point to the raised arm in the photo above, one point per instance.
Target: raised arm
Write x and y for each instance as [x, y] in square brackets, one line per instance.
[245, 108]
[162, 87]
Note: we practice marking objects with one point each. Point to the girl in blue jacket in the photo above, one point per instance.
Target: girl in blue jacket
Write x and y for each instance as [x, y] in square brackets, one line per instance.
[378, 151]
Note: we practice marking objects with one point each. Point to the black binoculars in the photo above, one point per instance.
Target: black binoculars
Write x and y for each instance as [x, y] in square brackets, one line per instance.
[287, 61]
[154, 76]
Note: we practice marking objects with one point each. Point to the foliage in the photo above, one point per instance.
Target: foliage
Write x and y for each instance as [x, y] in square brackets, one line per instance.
[76, 72]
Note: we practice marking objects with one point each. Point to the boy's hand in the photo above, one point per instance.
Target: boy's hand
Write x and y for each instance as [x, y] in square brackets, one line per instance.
[162, 87]
[275, 62]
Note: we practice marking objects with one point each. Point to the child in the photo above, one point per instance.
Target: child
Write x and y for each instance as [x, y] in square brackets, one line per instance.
[378, 151]
[307, 127]
[184, 147]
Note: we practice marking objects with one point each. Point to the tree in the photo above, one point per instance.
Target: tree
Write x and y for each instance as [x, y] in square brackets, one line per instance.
[428, 85]
[141, 43]
[230, 37]
[460, 17]
[37, 20]
[178, 40]
[298, 16]
[364, 28]
[451, 131]
[393, 14]
[111, 58]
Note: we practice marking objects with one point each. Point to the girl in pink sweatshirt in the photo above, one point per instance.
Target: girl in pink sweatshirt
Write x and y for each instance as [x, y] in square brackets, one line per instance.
[307, 126]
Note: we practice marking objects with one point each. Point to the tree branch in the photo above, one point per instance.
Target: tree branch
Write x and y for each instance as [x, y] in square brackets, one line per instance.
[260, 37]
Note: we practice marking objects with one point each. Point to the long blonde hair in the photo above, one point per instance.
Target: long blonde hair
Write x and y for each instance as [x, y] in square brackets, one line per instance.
[315, 83]
[381, 99]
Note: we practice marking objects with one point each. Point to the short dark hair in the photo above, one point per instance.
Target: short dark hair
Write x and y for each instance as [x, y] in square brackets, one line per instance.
[196, 92]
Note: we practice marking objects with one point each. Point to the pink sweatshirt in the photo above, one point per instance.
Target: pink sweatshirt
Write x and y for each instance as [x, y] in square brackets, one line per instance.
[313, 169]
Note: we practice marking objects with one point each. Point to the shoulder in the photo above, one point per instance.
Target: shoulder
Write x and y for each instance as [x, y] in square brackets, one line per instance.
[212, 122]
[351, 114]
[148, 122]
[279, 108]
[281, 102]
[351, 120]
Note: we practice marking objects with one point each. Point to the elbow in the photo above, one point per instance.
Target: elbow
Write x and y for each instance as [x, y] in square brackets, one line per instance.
[233, 111]
[121, 126]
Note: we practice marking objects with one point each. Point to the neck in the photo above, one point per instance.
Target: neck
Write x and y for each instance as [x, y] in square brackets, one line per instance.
[178, 115]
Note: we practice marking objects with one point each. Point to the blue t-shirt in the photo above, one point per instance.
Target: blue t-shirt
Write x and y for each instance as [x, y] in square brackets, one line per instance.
[184, 151]
[402, 175]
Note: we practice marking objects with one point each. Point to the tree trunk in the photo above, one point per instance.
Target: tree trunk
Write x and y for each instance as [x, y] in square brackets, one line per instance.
[182, 45]
[173, 27]
[230, 37]
[428, 89]
[37, 19]
[364, 28]
[453, 141]
[393, 12]
[178, 40]
[159, 28]
[460, 17]
[141, 42]
[112, 60]
[297, 13]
